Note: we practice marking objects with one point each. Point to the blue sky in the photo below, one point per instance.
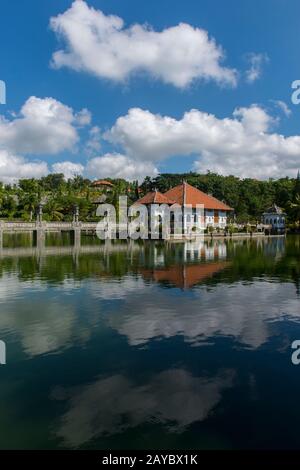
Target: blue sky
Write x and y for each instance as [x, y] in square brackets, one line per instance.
[259, 140]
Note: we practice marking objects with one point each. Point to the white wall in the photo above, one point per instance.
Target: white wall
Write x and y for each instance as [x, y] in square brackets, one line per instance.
[276, 220]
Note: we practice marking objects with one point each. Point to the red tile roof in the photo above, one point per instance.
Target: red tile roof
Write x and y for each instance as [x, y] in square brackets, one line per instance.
[186, 194]
[102, 183]
[155, 197]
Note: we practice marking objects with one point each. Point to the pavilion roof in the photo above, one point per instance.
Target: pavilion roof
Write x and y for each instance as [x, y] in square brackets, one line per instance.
[102, 183]
[184, 193]
[155, 197]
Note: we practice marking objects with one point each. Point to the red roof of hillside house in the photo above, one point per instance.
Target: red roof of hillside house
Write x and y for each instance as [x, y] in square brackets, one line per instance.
[129, 190]
[186, 194]
[155, 197]
[102, 183]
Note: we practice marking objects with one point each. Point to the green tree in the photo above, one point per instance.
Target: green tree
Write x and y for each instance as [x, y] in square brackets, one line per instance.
[295, 209]
[54, 209]
[28, 202]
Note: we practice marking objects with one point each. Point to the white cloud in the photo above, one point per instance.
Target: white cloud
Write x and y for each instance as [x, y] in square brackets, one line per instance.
[13, 167]
[119, 166]
[255, 120]
[256, 62]
[42, 126]
[242, 145]
[94, 142]
[83, 118]
[69, 169]
[102, 46]
[283, 107]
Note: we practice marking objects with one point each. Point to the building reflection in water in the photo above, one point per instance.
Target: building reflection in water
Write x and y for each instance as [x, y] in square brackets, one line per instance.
[197, 265]
[173, 337]
[147, 311]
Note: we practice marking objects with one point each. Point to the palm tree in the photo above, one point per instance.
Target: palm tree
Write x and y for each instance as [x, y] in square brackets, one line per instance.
[29, 202]
[54, 209]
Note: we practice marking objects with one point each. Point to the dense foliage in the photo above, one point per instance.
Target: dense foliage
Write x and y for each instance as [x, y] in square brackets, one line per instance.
[249, 197]
[58, 197]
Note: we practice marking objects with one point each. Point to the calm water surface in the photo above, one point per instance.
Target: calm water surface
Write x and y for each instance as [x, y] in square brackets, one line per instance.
[149, 345]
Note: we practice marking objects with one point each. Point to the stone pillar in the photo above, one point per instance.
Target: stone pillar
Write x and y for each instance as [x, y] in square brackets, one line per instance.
[39, 217]
[76, 235]
[76, 231]
[39, 238]
[1, 234]
[76, 214]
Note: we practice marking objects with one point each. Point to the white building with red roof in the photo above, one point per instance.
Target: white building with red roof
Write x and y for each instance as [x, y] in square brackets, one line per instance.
[215, 212]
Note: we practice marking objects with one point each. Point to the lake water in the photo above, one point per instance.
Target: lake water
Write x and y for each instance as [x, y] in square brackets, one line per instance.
[149, 345]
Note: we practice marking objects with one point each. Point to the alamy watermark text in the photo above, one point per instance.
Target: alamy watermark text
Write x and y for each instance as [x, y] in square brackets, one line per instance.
[2, 92]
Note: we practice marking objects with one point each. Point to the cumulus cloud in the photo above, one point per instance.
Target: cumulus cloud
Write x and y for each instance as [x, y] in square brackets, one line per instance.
[255, 120]
[256, 63]
[101, 45]
[119, 166]
[69, 169]
[13, 167]
[84, 117]
[243, 144]
[43, 126]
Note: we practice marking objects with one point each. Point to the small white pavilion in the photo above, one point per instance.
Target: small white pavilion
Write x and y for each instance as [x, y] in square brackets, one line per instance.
[275, 218]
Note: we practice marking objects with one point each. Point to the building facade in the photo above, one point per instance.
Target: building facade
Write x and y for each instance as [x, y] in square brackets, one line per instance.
[215, 213]
[275, 218]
